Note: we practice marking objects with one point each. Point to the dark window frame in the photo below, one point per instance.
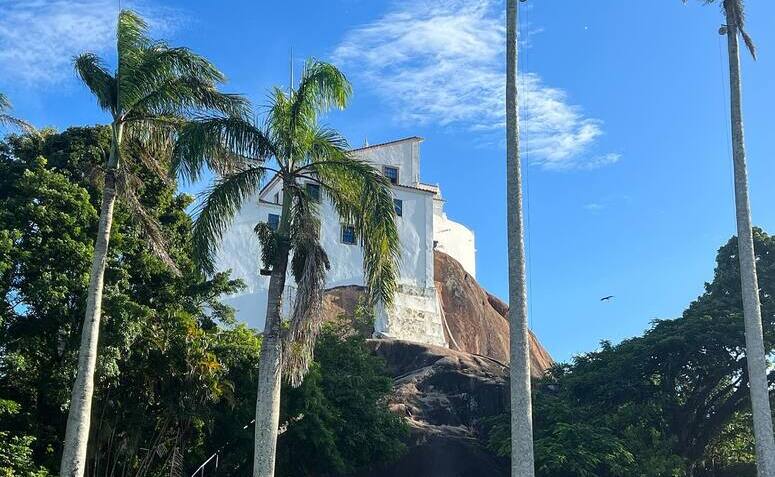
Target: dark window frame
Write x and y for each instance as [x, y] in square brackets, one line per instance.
[398, 207]
[344, 228]
[270, 219]
[393, 180]
[313, 186]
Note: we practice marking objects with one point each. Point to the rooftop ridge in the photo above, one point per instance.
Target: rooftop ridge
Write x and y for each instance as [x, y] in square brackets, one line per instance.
[387, 143]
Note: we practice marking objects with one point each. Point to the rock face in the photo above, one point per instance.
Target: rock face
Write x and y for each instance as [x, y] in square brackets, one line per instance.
[476, 320]
[446, 393]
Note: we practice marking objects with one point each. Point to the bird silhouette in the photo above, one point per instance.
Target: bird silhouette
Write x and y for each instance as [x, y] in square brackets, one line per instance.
[606, 298]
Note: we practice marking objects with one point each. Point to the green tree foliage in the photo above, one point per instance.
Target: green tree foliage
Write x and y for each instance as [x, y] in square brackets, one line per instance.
[672, 402]
[176, 374]
[15, 450]
[170, 352]
[337, 420]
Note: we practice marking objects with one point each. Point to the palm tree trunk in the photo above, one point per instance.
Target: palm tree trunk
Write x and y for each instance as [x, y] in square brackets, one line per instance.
[521, 407]
[752, 313]
[270, 359]
[79, 415]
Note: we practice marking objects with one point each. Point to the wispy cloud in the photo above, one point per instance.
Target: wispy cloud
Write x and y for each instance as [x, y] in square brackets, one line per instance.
[38, 38]
[443, 62]
[594, 207]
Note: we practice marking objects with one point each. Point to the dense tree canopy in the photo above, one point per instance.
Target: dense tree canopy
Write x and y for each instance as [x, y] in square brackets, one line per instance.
[176, 374]
[671, 402]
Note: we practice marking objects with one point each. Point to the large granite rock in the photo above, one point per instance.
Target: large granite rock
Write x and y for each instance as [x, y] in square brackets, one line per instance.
[446, 393]
[476, 320]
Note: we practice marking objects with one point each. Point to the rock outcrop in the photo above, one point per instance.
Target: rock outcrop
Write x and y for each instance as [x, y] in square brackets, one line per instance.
[446, 393]
[444, 396]
[476, 321]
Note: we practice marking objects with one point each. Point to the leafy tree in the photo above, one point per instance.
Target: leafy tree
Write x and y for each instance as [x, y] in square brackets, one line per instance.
[734, 14]
[153, 90]
[15, 451]
[675, 398]
[173, 363]
[337, 422]
[302, 151]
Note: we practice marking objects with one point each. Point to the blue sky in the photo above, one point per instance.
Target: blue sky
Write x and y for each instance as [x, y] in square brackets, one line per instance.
[625, 113]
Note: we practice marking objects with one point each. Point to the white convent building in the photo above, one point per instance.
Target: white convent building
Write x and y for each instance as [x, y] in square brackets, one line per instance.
[422, 225]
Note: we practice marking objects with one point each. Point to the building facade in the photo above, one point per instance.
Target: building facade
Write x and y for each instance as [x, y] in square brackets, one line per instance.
[422, 225]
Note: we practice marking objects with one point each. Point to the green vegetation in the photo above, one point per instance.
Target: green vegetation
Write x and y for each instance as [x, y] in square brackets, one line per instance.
[671, 402]
[176, 374]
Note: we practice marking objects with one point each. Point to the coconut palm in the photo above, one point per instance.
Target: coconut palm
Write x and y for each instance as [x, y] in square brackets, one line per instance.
[7, 120]
[522, 464]
[734, 12]
[298, 150]
[154, 89]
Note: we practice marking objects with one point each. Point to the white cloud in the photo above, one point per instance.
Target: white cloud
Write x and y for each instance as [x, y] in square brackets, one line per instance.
[38, 38]
[443, 62]
[594, 207]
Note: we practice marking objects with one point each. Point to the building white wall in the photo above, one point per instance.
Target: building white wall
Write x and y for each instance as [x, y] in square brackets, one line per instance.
[416, 315]
[453, 238]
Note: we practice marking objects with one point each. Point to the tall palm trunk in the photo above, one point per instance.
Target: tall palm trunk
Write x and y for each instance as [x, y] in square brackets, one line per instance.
[270, 359]
[79, 415]
[752, 313]
[521, 407]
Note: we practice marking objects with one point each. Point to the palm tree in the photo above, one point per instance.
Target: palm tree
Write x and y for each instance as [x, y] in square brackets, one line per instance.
[734, 12]
[292, 145]
[522, 464]
[7, 120]
[298, 150]
[154, 90]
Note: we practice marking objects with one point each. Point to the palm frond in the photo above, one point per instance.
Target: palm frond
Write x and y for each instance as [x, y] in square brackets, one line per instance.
[131, 37]
[127, 185]
[734, 10]
[185, 96]
[310, 264]
[95, 76]
[219, 143]
[12, 121]
[737, 10]
[322, 86]
[278, 125]
[159, 67]
[362, 197]
[151, 145]
[216, 212]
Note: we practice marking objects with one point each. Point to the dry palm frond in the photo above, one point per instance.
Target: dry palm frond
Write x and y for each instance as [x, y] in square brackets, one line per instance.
[8, 120]
[307, 315]
[310, 264]
[734, 10]
[127, 185]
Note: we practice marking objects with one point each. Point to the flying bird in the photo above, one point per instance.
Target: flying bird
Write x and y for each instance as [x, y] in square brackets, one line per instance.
[606, 298]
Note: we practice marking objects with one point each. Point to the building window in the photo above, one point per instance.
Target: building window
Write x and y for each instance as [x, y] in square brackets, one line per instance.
[392, 174]
[273, 221]
[277, 198]
[348, 234]
[313, 191]
[398, 205]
